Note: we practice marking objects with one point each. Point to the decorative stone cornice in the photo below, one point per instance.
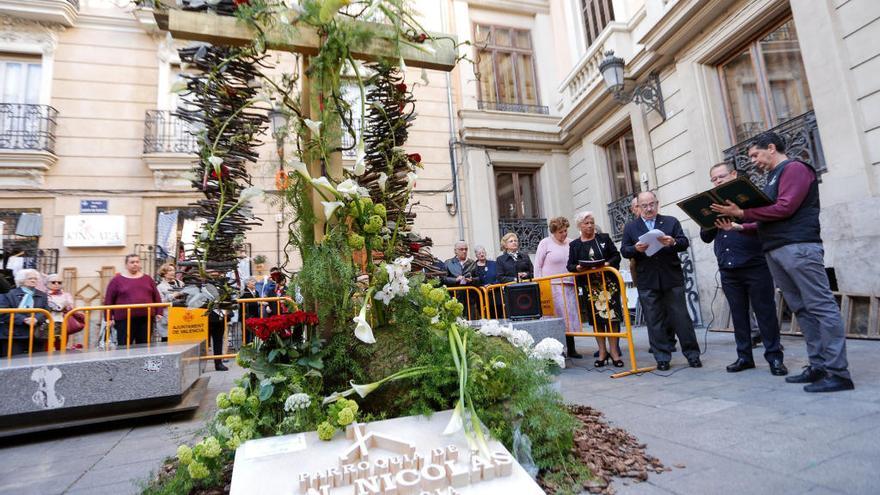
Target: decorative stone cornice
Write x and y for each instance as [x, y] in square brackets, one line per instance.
[170, 170]
[50, 11]
[23, 168]
[492, 128]
[530, 7]
[30, 33]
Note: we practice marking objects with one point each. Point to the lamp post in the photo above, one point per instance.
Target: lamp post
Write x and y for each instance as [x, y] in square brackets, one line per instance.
[278, 119]
[647, 92]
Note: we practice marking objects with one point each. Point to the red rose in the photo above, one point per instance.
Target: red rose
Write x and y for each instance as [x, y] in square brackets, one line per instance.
[241, 2]
[414, 157]
[421, 37]
[224, 172]
[401, 87]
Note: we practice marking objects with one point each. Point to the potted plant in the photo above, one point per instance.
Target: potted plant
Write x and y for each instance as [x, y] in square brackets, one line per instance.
[260, 265]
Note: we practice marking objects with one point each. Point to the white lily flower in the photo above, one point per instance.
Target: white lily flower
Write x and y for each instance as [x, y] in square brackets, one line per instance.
[330, 207]
[300, 168]
[325, 184]
[360, 165]
[314, 126]
[455, 423]
[411, 180]
[363, 192]
[347, 188]
[335, 396]
[363, 330]
[283, 18]
[385, 295]
[250, 193]
[402, 67]
[179, 86]
[364, 390]
[383, 178]
[424, 77]
[215, 161]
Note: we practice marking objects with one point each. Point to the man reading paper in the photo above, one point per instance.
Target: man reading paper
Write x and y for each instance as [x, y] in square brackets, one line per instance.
[661, 282]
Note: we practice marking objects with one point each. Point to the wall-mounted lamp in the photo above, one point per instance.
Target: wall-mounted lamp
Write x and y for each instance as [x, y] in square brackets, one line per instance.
[647, 92]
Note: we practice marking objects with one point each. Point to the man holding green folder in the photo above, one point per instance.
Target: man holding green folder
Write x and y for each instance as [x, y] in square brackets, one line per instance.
[790, 236]
[745, 280]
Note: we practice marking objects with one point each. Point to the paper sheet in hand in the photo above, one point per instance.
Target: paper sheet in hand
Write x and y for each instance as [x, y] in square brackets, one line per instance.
[652, 239]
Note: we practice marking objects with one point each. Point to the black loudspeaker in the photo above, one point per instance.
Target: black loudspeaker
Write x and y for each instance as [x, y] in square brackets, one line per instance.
[523, 301]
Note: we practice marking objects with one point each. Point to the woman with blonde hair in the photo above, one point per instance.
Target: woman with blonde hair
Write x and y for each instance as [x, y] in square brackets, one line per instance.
[552, 259]
[514, 265]
[599, 293]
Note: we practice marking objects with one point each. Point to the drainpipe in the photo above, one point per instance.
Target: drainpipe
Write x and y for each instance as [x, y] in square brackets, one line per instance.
[453, 160]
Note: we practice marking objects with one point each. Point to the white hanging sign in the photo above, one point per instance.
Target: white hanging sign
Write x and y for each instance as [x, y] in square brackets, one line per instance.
[94, 230]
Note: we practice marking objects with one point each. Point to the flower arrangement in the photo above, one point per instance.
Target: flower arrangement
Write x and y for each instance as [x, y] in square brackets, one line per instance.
[602, 300]
[283, 326]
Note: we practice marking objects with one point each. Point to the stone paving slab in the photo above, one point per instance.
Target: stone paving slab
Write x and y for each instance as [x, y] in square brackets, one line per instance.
[719, 432]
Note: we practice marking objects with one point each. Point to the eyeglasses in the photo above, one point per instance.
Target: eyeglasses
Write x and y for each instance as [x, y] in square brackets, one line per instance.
[55, 282]
[648, 205]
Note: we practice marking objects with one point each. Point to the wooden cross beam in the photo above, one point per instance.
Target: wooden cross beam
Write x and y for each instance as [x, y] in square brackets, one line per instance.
[226, 30]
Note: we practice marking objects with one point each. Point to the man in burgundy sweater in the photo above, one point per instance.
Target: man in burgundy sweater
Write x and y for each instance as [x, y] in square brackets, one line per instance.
[132, 286]
[790, 237]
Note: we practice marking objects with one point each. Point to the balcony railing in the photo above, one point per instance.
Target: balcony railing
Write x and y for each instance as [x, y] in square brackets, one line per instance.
[512, 107]
[619, 213]
[165, 132]
[27, 127]
[801, 136]
[75, 3]
[530, 231]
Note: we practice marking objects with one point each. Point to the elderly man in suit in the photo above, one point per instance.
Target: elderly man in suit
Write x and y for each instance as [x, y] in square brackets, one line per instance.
[661, 282]
[460, 272]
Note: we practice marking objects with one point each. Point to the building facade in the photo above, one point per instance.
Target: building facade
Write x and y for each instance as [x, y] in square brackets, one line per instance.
[89, 143]
[725, 71]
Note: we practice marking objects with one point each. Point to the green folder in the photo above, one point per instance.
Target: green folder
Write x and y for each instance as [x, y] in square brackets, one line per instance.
[740, 191]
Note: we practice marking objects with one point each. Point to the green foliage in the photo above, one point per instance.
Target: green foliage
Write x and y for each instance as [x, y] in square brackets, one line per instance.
[327, 281]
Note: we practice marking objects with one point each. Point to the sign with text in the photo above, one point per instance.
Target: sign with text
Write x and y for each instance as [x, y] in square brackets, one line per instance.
[187, 325]
[93, 206]
[94, 230]
[397, 456]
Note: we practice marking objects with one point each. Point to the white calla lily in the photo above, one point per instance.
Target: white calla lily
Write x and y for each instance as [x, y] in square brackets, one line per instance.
[364, 390]
[325, 184]
[360, 165]
[215, 161]
[383, 178]
[179, 86]
[330, 207]
[455, 422]
[411, 180]
[402, 67]
[347, 188]
[314, 126]
[363, 331]
[424, 77]
[300, 168]
[250, 193]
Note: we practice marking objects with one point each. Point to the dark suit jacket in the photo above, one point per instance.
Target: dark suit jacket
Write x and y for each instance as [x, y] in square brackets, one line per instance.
[21, 330]
[454, 268]
[488, 274]
[508, 268]
[663, 270]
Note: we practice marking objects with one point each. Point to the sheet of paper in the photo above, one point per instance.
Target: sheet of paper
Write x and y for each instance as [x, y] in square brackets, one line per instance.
[652, 239]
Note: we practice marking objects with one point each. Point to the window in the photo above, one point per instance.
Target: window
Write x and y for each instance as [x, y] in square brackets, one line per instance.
[764, 84]
[597, 15]
[10, 243]
[20, 79]
[505, 65]
[176, 229]
[517, 192]
[622, 165]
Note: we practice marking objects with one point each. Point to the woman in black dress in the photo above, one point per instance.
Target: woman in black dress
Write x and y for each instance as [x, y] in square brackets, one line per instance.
[513, 265]
[598, 292]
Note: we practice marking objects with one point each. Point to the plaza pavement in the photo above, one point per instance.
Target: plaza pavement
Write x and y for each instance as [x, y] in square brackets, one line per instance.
[720, 433]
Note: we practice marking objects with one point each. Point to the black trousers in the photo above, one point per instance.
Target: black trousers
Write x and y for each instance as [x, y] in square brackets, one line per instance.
[752, 285]
[667, 307]
[215, 331]
[138, 330]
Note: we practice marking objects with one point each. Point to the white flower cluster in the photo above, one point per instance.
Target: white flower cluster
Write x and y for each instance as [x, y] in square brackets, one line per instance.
[296, 402]
[549, 349]
[397, 284]
[519, 338]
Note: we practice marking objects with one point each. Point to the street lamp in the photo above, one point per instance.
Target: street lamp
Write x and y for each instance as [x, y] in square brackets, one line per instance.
[278, 119]
[647, 92]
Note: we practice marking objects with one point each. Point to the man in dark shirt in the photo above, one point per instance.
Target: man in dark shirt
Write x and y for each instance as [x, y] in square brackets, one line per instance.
[661, 282]
[790, 235]
[745, 278]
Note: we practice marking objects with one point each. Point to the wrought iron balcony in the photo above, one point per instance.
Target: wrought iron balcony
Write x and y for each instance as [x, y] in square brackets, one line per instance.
[75, 3]
[512, 107]
[165, 132]
[801, 136]
[619, 213]
[530, 231]
[27, 127]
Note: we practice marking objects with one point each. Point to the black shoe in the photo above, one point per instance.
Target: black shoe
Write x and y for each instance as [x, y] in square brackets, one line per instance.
[600, 362]
[830, 383]
[777, 368]
[574, 355]
[695, 363]
[220, 367]
[809, 375]
[740, 365]
[662, 365]
[618, 363]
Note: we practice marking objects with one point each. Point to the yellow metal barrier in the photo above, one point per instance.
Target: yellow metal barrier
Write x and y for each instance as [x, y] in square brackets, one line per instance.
[584, 279]
[33, 312]
[465, 293]
[107, 308]
[495, 301]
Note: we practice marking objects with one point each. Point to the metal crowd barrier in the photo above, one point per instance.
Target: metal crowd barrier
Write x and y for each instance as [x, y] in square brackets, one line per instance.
[463, 295]
[107, 309]
[33, 312]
